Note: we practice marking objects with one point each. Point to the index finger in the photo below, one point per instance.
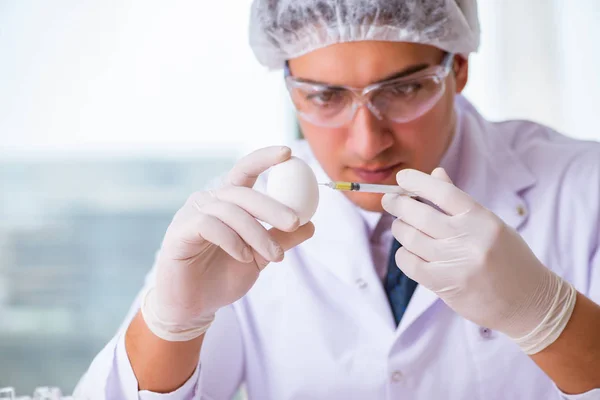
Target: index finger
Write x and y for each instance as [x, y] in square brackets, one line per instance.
[246, 170]
[445, 195]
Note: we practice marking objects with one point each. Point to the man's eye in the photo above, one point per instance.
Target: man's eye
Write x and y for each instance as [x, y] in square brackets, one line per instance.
[324, 97]
[405, 89]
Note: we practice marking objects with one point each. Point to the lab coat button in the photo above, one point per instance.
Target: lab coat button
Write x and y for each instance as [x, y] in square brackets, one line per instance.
[396, 376]
[485, 333]
[361, 283]
[521, 210]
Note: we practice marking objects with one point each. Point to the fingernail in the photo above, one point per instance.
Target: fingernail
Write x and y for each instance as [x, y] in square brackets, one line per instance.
[293, 222]
[284, 149]
[401, 175]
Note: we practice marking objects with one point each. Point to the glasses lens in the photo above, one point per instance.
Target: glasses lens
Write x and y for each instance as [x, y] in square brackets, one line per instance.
[405, 101]
[322, 106]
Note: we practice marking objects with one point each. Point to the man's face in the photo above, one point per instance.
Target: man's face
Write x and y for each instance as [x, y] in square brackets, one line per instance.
[368, 149]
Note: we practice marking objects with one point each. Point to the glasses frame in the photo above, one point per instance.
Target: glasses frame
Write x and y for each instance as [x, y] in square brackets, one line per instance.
[362, 96]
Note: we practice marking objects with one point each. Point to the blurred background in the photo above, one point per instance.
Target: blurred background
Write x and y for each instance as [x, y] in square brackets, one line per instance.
[113, 112]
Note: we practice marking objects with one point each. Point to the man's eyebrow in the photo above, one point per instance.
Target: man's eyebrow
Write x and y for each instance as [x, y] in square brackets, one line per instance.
[411, 69]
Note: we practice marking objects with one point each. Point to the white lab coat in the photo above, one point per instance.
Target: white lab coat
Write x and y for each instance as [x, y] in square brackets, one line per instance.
[319, 326]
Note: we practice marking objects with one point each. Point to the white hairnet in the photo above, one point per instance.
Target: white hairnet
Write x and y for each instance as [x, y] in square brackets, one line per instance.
[284, 29]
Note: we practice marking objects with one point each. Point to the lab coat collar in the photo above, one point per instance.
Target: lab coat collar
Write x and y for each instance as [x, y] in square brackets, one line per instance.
[488, 168]
[371, 219]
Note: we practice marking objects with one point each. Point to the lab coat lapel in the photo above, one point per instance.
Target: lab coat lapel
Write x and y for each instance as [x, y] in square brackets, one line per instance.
[490, 170]
[340, 239]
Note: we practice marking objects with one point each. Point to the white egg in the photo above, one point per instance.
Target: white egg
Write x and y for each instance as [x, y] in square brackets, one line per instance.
[294, 184]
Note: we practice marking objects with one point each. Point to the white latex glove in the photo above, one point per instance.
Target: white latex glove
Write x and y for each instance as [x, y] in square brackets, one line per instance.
[475, 263]
[215, 248]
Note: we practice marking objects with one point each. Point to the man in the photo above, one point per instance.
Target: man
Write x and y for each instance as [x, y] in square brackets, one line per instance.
[501, 245]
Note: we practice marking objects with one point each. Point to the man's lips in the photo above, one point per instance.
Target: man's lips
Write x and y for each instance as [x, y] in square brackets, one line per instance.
[377, 175]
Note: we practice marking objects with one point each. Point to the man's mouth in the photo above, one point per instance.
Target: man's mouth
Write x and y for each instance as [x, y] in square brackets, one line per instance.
[375, 175]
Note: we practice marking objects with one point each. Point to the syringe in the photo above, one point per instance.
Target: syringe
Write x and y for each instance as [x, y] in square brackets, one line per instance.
[367, 188]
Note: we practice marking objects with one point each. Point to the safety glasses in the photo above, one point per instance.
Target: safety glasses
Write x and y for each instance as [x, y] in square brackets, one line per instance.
[400, 100]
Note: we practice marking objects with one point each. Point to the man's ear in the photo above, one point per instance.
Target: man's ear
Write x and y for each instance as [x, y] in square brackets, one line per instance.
[461, 72]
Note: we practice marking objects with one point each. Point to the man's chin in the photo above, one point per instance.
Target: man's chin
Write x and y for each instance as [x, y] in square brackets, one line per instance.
[366, 201]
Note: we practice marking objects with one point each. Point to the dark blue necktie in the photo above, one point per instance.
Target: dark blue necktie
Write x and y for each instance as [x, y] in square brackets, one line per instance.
[398, 287]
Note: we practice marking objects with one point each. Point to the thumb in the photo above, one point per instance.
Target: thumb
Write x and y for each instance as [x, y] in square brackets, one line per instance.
[286, 240]
[440, 174]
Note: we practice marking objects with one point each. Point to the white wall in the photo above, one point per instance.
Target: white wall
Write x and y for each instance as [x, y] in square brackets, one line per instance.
[133, 76]
[540, 60]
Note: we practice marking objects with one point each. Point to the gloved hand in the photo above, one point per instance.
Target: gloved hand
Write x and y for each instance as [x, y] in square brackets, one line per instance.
[215, 248]
[475, 263]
